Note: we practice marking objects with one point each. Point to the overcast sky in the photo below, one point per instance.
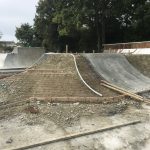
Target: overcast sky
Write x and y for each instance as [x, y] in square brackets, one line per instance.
[13, 13]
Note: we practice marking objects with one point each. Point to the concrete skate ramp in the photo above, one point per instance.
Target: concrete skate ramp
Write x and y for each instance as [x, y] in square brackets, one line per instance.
[2, 59]
[135, 51]
[117, 70]
[22, 58]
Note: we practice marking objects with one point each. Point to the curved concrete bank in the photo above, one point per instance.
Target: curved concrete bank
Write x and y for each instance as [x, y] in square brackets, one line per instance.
[141, 63]
[21, 58]
[143, 51]
[117, 70]
[2, 59]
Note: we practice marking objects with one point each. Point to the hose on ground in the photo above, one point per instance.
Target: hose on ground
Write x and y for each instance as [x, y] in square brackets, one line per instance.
[75, 62]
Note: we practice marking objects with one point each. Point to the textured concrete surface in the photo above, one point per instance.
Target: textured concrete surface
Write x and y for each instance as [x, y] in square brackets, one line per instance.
[141, 63]
[26, 129]
[117, 70]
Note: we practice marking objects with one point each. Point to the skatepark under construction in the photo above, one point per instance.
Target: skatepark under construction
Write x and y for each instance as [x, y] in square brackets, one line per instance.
[70, 101]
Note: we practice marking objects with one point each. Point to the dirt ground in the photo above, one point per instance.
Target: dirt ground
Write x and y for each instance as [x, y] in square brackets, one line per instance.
[38, 122]
[30, 122]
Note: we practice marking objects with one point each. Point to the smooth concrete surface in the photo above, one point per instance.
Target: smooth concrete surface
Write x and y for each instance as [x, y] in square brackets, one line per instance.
[143, 51]
[21, 58]
[117, 70]
[2, 59]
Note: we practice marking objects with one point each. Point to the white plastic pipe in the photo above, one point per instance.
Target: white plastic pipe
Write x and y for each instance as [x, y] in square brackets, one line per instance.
[75, 62]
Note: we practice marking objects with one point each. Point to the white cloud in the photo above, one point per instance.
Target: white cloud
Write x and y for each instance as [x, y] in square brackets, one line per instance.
[13, 13]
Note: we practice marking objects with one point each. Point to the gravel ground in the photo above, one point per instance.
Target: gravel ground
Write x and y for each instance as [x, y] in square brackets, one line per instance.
[24, 123]
[42, 121]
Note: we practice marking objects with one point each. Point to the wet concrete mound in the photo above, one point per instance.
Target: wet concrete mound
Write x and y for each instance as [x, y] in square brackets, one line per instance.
[53, 76]
[117, 70]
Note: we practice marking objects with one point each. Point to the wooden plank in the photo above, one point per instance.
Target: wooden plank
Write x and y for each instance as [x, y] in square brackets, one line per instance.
[122, 89]
[135, 96]
[87, 100]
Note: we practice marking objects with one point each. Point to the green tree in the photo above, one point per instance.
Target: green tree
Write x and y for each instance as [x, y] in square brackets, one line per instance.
[142, 21]
[25, 34]
[45, 30]
[86, 25]
[1, 34]
[83, 16]
[130, 15]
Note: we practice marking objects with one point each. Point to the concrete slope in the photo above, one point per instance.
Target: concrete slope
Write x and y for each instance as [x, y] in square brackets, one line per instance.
[141, 63]
[2, 59]
[21, 58]
[117, 70]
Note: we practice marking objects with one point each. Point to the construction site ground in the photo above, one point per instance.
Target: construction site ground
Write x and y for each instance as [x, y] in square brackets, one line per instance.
[49, 101]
